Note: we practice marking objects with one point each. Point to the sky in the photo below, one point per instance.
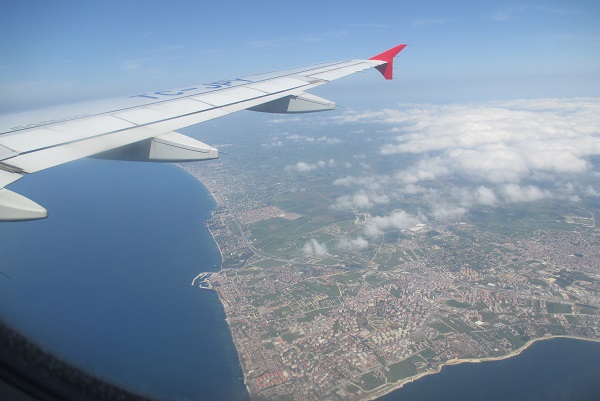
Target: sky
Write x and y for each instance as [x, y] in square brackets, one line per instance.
[460, 51]
[500, 98]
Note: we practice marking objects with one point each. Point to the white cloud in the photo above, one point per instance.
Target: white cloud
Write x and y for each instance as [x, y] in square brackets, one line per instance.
[371, 182]
[303, 167]
[446, 211]
[499, 142]
[349, 244]
[427, 169]
[590, 191]
[311, 139]
[314, 248]
[397, 220]
[274, 144]
[485, 196]
[329, 141]
[300, 138]
[516, 193]
[283, 120]
[361, 200]
[488, 154]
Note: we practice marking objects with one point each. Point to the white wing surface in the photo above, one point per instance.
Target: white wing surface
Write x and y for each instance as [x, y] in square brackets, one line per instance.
[143, 126]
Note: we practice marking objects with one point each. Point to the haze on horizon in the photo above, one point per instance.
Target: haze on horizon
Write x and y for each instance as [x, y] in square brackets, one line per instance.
[493, 104]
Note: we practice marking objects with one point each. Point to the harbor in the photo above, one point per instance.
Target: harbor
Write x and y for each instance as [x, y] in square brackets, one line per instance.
[202, 280]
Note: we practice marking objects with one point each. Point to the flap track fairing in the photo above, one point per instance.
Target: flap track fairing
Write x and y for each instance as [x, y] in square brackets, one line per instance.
[294, 104]
[171, 147]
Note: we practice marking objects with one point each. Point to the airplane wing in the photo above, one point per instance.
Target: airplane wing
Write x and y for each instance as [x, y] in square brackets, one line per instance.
[143, 126]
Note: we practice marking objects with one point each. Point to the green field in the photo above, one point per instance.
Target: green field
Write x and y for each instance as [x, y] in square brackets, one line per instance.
[402, 370]
[268, 263]
[369, 382]
[555, 307]
[456, 304]
[441, 327]
[290, 337]
[458, 325]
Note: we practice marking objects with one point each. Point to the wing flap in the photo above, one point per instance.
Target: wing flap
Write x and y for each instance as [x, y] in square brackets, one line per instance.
[49, 157]
[40, 138]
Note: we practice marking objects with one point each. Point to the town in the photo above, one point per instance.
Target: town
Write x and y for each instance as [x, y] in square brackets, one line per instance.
[320, 311]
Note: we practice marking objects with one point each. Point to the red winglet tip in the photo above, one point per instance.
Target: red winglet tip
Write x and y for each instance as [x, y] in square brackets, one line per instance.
[388, 56]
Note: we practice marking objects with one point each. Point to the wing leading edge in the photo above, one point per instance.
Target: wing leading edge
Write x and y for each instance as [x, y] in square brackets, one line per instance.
[143, 126]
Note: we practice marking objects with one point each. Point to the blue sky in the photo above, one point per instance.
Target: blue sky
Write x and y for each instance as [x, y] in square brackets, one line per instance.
[461, 51]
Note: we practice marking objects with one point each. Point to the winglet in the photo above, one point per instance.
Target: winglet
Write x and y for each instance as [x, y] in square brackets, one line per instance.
[388, 56]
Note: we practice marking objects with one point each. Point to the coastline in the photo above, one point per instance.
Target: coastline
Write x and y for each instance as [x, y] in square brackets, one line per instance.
[387, 390]
[213, 237]
[235, 345]
[216, 199]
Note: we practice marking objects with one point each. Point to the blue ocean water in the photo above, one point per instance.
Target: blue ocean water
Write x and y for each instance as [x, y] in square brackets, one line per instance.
[558, 369]
[105, 281]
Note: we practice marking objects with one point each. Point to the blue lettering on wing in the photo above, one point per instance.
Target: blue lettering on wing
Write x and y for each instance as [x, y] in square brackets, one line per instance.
[179, 92]
[168, 93]
[224, 83]
[146, 96]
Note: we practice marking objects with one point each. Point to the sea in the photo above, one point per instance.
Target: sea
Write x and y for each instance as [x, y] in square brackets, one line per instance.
[556, 369]
[105, 283]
